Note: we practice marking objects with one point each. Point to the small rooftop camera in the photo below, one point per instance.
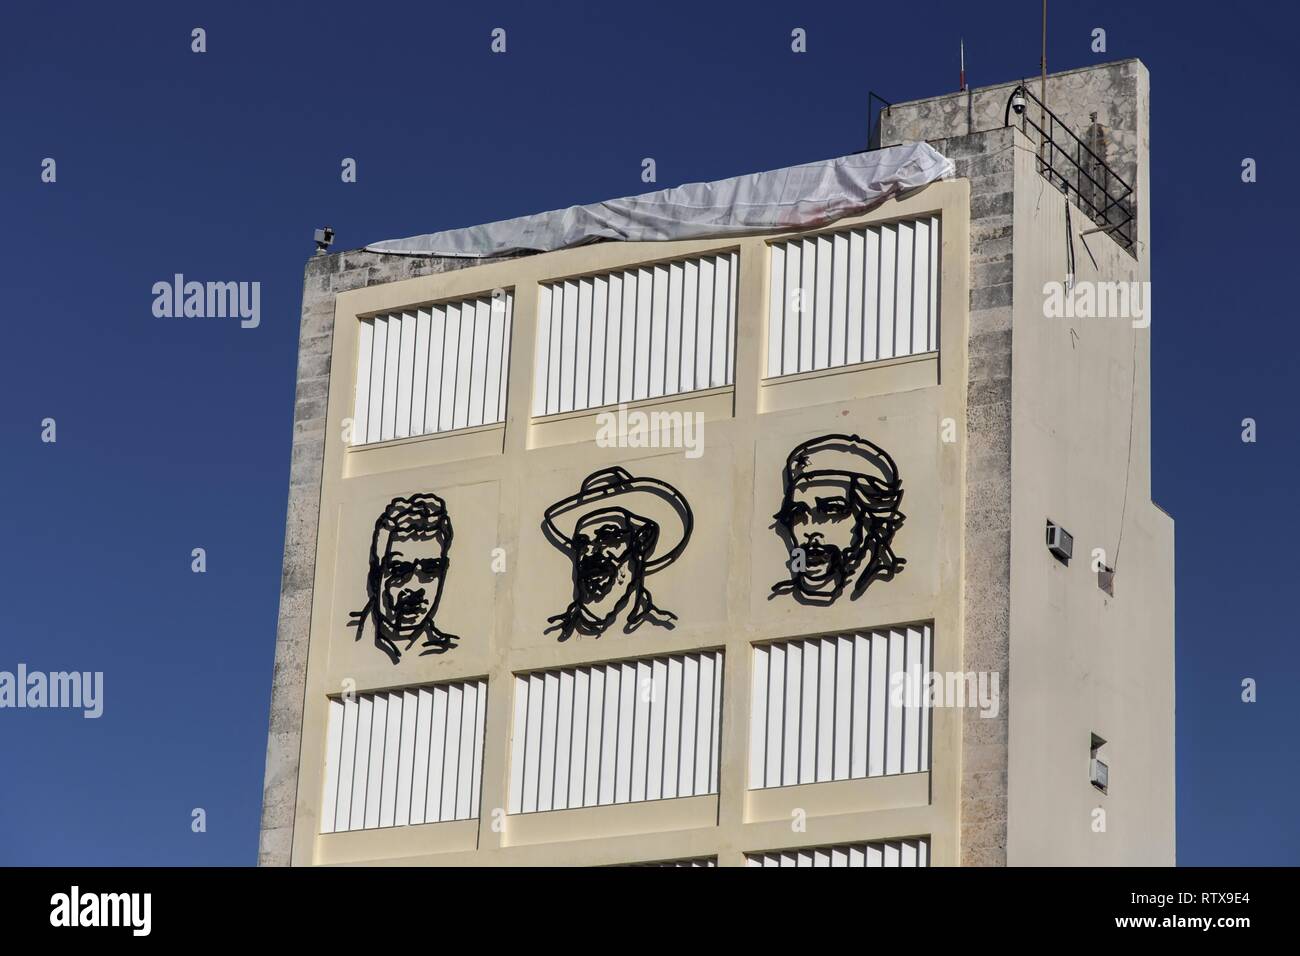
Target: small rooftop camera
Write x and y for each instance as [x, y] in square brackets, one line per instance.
[324, 237]
[1018, 100]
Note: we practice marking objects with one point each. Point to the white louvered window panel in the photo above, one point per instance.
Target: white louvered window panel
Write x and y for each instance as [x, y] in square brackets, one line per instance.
[694, 862]
[433, 369]
[403, 757]
[915, 852]
[621, 732]
[660, 329]
[826, 708]
[854, 296]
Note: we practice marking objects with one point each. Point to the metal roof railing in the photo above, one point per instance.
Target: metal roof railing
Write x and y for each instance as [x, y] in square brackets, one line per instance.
[1068, 163]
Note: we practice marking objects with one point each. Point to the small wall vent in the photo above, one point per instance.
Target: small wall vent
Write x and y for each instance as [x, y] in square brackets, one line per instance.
[1098, 771]
[1106, 580]
[1100, 775]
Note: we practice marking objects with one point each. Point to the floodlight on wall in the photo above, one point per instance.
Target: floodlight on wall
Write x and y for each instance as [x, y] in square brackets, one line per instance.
[1018, 100]
[1060, 542]
[324, 238]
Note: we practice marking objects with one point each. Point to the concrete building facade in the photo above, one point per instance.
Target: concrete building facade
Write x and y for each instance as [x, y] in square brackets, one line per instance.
[646, 552]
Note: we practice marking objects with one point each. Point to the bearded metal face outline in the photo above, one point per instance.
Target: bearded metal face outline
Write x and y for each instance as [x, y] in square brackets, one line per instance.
[839, 514]
[616, 530]
[409, 559]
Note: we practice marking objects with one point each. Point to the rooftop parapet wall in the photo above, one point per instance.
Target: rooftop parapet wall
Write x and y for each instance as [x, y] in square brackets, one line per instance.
[1115, 92]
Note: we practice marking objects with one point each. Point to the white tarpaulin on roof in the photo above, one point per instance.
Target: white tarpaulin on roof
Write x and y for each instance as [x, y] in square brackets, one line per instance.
[798, 197]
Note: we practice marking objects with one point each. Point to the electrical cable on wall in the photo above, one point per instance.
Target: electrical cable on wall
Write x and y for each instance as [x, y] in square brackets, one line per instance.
[1128, 466]
[1069, 250]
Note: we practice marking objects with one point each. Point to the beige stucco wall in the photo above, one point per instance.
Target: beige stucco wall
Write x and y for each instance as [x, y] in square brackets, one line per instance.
[497, 480]
[1050, 410]
[1083, 662]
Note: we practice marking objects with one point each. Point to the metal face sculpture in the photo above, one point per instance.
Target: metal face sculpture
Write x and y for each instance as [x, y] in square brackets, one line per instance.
[616, 530]
[408, 565]
[839, 513]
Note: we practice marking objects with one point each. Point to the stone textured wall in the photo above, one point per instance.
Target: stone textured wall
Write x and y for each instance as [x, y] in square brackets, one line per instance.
[987, 160]
[325, 277]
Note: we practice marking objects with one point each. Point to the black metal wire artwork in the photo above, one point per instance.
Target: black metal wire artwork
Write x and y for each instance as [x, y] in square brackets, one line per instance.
[839, 513]
[616, 530]
[404, 586]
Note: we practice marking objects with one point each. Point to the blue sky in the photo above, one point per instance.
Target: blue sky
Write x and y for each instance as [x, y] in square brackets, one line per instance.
[176, 435]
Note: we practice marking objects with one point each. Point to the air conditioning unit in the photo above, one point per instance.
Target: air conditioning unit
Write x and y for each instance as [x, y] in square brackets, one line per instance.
[1100, 774]
[1059, 541]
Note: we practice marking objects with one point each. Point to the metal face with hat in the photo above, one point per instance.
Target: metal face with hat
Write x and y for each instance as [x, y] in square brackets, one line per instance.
[617, 530]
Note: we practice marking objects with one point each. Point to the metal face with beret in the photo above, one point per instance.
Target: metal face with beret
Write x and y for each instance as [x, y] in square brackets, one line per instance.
[839, 514]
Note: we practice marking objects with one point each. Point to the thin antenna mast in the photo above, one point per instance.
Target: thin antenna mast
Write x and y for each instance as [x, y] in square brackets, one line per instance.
[962, 76]
[1042, 90]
